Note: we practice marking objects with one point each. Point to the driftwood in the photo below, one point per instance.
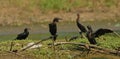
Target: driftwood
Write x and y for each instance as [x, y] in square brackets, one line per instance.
[88, 46]
[92, 47]
[23, 49]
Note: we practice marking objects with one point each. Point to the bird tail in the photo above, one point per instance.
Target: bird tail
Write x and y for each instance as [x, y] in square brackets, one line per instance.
[116, 34]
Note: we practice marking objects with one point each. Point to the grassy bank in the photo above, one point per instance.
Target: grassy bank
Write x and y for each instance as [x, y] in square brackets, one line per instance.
[22, 12]
[57, 5]
[62, 51]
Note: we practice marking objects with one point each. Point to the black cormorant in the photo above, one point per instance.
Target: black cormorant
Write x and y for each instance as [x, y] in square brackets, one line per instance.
[92, 35]
[23, 35]
[80, 26]
[53, 28]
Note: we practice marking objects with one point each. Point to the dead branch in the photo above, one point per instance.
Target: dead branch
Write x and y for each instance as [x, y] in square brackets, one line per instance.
[14, 53]
[98, 48]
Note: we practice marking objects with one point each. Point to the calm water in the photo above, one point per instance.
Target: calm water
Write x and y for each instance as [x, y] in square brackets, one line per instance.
[40, 31]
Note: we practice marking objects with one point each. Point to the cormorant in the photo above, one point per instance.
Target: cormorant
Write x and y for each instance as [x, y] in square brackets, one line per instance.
[53, 28]
[24, 35]
[91, 36]
[80, 26]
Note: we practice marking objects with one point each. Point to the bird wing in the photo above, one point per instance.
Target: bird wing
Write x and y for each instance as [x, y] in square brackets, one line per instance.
[53, 29]
[20, 35]
[81, 27]
[102, 31]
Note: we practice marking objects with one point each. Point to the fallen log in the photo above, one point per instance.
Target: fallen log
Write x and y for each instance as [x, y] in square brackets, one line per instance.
[115, 52]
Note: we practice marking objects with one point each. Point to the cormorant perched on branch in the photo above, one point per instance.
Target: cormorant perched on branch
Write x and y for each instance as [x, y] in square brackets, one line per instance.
[23, 35]
[53, 28]
[80, 26]
[91, 36]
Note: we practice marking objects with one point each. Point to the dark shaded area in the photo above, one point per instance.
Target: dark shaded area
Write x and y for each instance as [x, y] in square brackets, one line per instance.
[73, 38]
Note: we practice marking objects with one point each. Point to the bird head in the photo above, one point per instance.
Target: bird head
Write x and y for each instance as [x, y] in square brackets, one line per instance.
[26, 29]
[89, 28]
[56, 19]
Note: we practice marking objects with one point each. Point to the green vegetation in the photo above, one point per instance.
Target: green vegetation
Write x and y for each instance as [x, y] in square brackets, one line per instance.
[62, 51]
[36, 14]
[56, 4]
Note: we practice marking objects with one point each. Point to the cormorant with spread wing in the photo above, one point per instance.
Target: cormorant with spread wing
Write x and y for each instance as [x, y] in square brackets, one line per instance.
[91, 36]
[23, 35]
[80, 26]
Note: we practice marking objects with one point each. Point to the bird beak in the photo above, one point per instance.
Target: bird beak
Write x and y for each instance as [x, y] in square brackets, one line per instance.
[59, 19]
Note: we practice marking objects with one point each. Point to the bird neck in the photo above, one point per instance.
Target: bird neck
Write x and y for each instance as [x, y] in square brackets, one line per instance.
[54, 22]
[77, 20]
[26, 31]
[89, 33]
[91, 30]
